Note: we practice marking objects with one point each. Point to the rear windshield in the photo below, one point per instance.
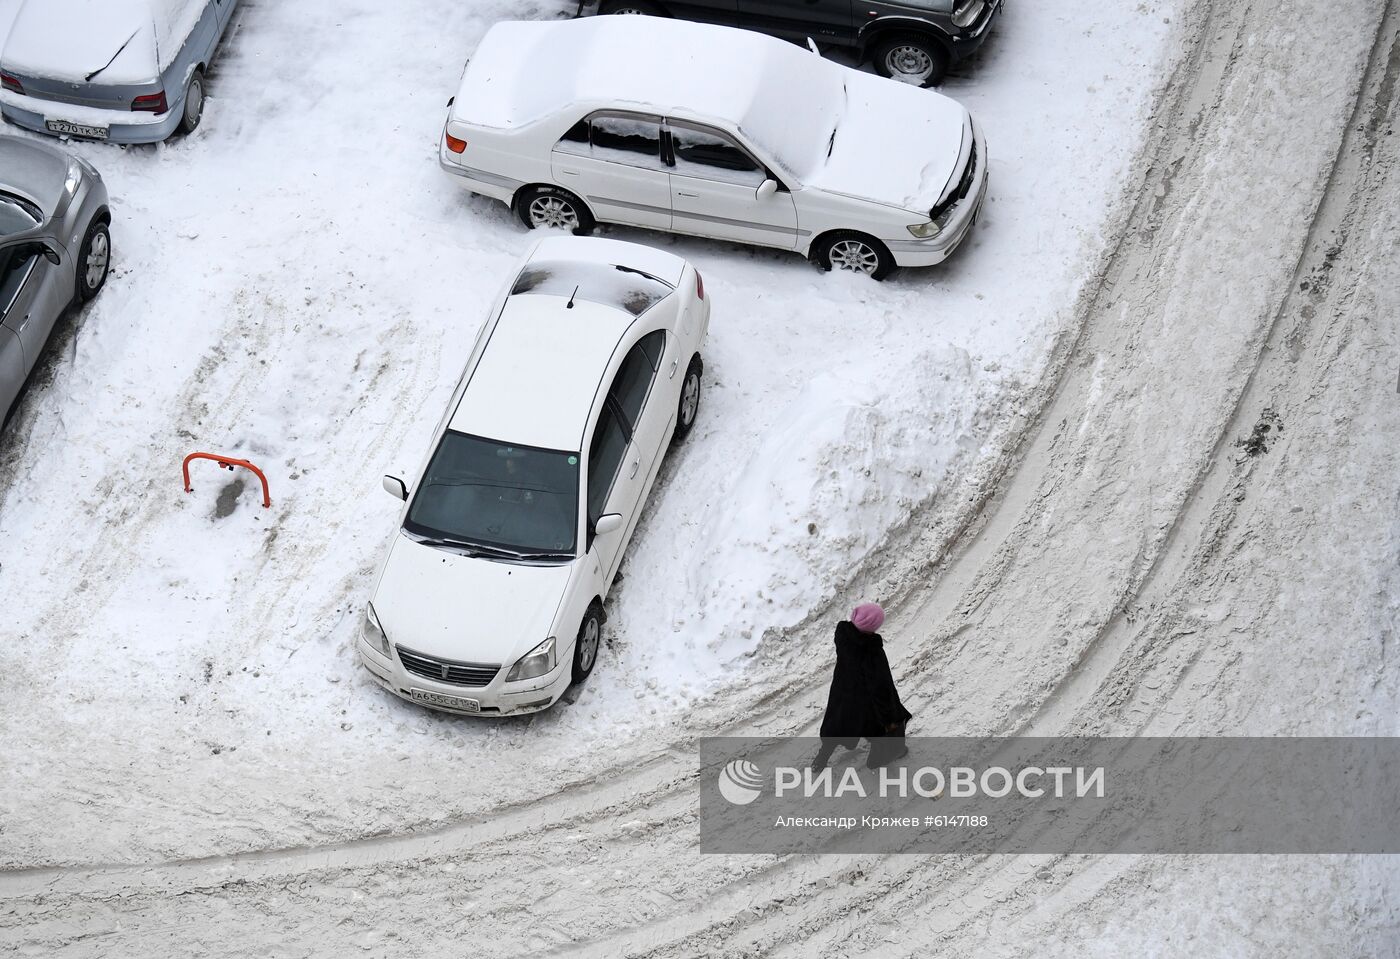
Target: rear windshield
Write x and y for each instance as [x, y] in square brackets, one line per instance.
[616, 286]
[17, 215]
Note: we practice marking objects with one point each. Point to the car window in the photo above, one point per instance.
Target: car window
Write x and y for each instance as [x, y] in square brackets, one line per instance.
[576, 140]
[14, 267]
[712, 156]
[17, 215]
[604, 458]
[635, 141]
[635, 376]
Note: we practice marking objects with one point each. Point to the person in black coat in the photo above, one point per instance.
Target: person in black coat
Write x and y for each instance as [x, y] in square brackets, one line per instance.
[863, 703]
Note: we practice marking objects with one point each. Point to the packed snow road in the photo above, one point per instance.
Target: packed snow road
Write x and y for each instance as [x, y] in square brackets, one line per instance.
[1100, 556]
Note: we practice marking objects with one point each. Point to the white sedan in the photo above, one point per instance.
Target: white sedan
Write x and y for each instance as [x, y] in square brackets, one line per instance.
[490, 600]
[715, 132]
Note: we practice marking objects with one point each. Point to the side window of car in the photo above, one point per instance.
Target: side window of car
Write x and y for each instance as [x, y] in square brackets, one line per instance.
[575, 140]
[635, 141]
[14, 267]
[604, 457]
[710, 155]
[635, 376]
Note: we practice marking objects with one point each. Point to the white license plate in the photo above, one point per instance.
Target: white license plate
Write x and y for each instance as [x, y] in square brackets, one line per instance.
[448, 702]
[76, 129]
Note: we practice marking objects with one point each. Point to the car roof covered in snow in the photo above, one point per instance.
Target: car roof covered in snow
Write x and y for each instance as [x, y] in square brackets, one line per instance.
[113, 41]
[784, 98]
[544, 364]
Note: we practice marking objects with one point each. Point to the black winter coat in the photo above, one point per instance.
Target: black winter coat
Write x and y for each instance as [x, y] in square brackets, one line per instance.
[863, 700]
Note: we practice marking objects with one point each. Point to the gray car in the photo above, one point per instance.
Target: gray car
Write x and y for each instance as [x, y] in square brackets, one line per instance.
[126, 71]
[55, 249]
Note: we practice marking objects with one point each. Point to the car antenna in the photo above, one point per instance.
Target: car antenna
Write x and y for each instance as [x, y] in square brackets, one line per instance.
[570, 305]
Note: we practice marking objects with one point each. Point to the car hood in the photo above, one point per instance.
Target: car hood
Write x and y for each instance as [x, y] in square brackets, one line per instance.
[33, 170]
[895, 144]
[465, 609]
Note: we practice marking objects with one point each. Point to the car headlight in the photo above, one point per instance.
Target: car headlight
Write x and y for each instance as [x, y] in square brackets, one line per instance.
[373, 632]
[924, 230]
[75, 173]
[537, 662]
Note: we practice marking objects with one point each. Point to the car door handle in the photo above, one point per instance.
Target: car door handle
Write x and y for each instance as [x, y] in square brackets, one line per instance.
[693, 196]
[674, 364]
[636, 464]
[569, 172]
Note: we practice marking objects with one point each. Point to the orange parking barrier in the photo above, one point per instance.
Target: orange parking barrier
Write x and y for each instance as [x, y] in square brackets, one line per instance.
[228, 463]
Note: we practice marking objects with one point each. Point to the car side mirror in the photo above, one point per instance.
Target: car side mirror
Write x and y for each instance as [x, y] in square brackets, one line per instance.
[607, 523]
[767, 188]
[50, 253]
[395, 487]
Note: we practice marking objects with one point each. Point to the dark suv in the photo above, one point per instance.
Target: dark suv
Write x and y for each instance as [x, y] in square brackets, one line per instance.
[913, 41]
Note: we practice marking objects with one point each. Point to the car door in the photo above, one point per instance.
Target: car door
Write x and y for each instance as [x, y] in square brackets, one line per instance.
[725, 12]
[823, 20]
[607, 492]
[714, 190]
[613, 161]
[648, 407]
[224, 10]
[28, 306]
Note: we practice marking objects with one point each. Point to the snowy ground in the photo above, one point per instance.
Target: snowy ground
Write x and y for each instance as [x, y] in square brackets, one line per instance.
[299, 284]
[1057, 506]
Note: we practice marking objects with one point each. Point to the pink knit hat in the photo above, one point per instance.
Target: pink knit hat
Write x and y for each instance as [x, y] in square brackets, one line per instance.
[867, 617]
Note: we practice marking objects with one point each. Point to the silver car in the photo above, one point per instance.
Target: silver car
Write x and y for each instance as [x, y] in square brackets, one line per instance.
[128, 71]
[55, 249]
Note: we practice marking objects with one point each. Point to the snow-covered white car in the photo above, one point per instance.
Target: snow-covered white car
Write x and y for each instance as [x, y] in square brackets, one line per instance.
[490, 600]
[128, 71]
[716, 132]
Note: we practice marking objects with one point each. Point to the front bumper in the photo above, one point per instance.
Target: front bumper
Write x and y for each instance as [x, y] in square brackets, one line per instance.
[936, 249]
[966, 42]
[122, 127]
[497, 699]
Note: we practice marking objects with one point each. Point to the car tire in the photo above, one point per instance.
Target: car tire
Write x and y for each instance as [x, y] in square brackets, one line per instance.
[553, 207]
[614, 7]
[909, 58]
[588, 643]
[192, 108]
[688, 407]
[94, 260]
[853, 252]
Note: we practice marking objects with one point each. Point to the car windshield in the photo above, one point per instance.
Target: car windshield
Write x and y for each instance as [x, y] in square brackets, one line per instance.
[616, 286]
[486, 495]
[16, 215]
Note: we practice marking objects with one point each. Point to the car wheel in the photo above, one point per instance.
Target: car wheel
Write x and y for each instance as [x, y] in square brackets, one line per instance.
[194, 104]
[590, 639]
[689, 404]
[919, 61]
[94, 260]
[853, 252]
[633, 7]
[554, 208]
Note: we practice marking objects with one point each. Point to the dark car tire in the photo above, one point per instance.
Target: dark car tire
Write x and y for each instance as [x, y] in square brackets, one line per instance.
[688, 407]
[856, 252]
[910, 58]
[552, 206]
[586, 658]
[192, 108]
[94, 260]
[613, 7]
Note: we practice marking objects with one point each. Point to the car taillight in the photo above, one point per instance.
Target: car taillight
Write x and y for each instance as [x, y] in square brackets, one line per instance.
[454, 144]
[150, 103]
[10, 83]
[699, 286]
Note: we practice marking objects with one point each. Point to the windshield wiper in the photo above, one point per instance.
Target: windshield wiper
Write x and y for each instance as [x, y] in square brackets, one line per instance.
[104, 66]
